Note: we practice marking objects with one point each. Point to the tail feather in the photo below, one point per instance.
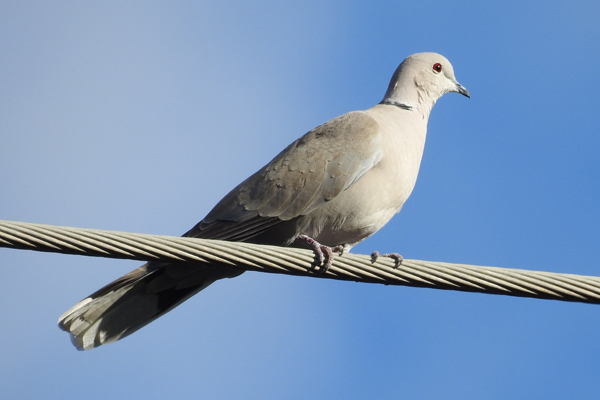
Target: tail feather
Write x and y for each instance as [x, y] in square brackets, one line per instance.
[134, 300]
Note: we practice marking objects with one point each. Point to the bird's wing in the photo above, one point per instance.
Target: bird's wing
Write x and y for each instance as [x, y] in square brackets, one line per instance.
[308, 173]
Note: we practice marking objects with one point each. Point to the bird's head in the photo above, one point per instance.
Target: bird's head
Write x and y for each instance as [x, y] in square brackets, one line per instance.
[420, 80]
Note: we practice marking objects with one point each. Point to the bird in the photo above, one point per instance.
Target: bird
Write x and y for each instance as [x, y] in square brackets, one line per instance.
[330, 189]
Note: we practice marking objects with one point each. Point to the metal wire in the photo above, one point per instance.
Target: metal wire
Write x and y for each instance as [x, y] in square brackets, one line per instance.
[286, 260]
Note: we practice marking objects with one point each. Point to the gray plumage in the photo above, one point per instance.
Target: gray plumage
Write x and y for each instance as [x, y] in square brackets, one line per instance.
[337, 184]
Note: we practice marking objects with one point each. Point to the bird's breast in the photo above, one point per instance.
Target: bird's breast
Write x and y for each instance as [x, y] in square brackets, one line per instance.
[368, 204]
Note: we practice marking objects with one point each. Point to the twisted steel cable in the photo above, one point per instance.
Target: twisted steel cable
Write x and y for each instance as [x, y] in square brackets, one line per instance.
[287, 260]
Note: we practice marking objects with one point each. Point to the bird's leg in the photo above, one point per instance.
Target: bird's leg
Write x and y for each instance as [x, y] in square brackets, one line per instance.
[394, 256]
[323, 254]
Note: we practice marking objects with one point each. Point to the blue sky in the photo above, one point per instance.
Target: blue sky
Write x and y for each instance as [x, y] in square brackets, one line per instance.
[140, 116]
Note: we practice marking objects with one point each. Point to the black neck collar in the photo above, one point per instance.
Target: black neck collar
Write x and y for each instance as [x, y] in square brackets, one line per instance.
[397, 104]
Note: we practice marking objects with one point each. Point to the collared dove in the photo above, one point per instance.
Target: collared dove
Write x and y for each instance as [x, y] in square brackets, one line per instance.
[332, 188]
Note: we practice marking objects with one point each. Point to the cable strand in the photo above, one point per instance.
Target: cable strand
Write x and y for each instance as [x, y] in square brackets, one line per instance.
[293, 261]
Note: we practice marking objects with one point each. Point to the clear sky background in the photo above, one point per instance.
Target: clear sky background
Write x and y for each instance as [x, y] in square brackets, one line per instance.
[140, 116]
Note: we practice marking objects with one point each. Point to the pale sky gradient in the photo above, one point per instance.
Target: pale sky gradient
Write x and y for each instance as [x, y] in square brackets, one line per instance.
[140, 116]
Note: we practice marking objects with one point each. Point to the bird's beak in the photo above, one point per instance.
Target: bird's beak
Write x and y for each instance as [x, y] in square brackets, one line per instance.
[462, 90]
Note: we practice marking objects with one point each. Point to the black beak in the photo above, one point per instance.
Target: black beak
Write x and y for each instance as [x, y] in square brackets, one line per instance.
[462, 90]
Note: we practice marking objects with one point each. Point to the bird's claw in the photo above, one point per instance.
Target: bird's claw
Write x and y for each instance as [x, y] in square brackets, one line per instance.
[324, 255]
[394, 256]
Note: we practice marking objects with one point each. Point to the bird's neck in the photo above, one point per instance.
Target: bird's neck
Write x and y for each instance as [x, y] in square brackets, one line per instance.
[410, 96]
[420, 105]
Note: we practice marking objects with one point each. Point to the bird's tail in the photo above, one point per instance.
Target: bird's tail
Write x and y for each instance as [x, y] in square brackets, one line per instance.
[136, 299]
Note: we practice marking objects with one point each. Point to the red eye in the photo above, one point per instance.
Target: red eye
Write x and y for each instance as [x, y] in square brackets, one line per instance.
[437, 68]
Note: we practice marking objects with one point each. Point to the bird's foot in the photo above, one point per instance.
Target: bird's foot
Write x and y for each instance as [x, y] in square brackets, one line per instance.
[323, 254]
[394, 256]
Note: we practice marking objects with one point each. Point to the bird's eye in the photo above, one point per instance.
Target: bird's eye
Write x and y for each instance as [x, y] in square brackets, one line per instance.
[437, 68]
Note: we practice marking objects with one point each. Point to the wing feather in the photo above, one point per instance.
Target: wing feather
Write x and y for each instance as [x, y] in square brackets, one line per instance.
[311, 171]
